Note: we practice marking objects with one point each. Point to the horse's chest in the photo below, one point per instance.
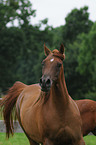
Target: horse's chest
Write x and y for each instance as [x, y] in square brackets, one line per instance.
[65, 136]
[60, 136]
[59, 128]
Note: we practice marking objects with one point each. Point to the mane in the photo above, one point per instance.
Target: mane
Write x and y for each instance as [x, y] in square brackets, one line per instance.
[43, 95]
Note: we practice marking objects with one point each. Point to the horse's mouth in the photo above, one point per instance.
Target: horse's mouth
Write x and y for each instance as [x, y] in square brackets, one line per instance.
[44, 89]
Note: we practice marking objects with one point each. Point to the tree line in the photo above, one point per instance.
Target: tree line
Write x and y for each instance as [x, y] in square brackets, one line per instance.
[21, 47]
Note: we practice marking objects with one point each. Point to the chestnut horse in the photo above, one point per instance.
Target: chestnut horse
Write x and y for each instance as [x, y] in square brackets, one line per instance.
[87, 110]
[46, 112]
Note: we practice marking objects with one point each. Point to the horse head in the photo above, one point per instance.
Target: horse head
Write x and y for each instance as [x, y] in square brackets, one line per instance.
[51, 67]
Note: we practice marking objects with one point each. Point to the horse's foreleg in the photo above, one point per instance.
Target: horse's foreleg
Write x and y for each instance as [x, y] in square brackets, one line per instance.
[47, 142]
[81, 141]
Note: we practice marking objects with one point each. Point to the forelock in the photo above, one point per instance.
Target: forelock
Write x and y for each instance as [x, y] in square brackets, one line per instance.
[58, 54]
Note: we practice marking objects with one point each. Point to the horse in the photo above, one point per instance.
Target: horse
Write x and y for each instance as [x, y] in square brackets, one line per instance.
[87, 110]
[45, 111]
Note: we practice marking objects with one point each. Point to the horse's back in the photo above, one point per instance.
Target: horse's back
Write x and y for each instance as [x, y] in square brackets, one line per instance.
[87, 110]
[86, 105]
[30, 94]
[88, 114]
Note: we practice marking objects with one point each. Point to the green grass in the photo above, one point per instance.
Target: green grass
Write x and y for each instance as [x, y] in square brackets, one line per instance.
[21, 139]
[90, 140]
[17, 139]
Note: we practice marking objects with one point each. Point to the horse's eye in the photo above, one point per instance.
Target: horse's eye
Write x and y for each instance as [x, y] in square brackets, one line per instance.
[59, 64]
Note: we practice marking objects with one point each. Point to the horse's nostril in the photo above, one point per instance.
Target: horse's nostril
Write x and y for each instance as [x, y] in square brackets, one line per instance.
[45, 84]
[48, 82]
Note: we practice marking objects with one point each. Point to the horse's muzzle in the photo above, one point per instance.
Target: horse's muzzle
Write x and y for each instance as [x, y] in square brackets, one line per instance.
[45, 84]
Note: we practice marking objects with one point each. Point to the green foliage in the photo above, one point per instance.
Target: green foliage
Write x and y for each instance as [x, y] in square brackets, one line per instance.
[87, 61]
[7, 14]
[25, 12]
[57, 36]
[87, 57]
[70, 65]
[11, 48]
[91, 94]
[76, 22]
[81, 59]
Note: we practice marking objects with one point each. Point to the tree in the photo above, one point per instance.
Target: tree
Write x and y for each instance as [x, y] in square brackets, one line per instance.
[73, 78]
[87, 61]
[14, 42]
[11, 48]
[76, 22]
[25, 12]
[20, 10]
[7, 14]
[57, 36]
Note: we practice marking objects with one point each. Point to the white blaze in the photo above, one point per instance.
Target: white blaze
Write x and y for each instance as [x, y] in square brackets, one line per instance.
[52, 59]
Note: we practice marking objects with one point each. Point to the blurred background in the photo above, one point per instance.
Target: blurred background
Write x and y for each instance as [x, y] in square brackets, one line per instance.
[23, 34]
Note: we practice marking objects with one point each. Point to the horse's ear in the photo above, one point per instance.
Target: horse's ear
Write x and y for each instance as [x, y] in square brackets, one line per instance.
[46, 50]
[61, 50]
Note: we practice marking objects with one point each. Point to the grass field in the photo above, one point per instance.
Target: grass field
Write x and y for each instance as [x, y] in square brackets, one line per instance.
[90, 140]
[20, 139]
[17, 139]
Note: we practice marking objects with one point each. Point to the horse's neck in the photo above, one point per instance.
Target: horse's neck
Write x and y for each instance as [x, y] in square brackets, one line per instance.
[59, 91]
